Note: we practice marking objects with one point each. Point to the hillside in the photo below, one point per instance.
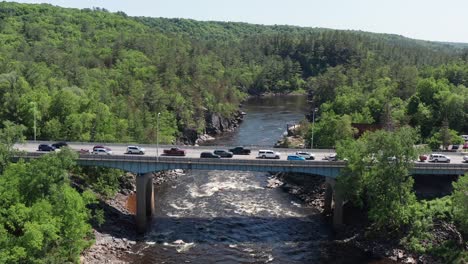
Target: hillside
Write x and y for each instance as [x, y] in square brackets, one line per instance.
[92, 75]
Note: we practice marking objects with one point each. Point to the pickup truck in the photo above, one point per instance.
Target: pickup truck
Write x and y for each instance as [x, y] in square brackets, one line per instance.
[240, 151]
[174, 152]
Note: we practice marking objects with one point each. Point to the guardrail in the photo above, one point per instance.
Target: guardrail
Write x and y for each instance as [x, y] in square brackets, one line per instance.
[264, 162]
[185, 160]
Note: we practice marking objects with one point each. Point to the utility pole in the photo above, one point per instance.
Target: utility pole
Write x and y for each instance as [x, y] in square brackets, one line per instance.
[157, 138]
[313, 125]
[34, 114]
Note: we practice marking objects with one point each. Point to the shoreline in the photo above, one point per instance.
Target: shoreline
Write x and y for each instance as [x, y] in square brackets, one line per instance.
[115, 238]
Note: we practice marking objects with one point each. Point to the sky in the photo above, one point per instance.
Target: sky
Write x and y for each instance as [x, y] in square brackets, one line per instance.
[437, 20]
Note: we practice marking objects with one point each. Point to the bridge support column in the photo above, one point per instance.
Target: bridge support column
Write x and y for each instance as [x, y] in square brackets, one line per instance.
[338, 210]
[330, 183]
[145, 200]
[332, 197]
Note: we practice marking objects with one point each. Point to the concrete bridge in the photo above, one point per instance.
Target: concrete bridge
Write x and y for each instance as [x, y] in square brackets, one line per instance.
[144, 166]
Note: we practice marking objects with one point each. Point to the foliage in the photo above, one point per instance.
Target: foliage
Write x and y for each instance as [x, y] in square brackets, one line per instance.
[43, 219]
[104, 181]
[9, 135]
[378, 170]
[331, 129]
[460, 202]
[444, 138]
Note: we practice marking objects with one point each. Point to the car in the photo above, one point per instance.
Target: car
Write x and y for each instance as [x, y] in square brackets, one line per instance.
[83, 151]
[101, 147]
[223, 153]
[268, 154]
[330, 157]
[306, 155]
[101, 151]
[465, 159]
[135, 150]
[60, 144]
[455, 148]
[209, 155]
[438, 158]
[422, 158]
[174, 152]
[295, 157]
[464, 137]
[45, 147]
[240, 151]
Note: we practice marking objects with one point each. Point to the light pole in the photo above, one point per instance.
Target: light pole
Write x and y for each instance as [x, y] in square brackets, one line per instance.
[157, 138]
[34, 114]
[313, 125]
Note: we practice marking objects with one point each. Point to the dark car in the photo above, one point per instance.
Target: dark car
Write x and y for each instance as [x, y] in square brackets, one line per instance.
[209, 155]
[46, 147]
[223, 153]
[58, 145]
[240, 151]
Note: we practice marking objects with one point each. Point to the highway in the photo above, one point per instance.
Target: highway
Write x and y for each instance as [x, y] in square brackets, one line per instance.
[194, 151]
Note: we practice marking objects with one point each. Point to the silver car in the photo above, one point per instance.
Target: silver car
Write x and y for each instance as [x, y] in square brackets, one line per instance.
[306, 155]
[135, 150]
[101, 151]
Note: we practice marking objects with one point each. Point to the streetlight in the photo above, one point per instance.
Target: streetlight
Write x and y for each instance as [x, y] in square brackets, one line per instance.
[157, 138]
[313, 125]
[34, 104]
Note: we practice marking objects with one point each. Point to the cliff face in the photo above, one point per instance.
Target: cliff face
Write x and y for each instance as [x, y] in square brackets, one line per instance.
[215, 125]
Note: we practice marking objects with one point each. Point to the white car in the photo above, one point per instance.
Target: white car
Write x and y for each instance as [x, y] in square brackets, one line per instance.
[438, 158]
[268, 154]
[135, 150]
[306, 155]
[101, 151]
[465, 158]
[330, 157]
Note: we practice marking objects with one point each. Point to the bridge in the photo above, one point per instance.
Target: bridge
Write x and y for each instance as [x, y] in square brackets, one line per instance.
[144, 166]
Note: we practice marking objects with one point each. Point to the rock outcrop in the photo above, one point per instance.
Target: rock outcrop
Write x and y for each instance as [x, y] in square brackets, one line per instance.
[216, 124]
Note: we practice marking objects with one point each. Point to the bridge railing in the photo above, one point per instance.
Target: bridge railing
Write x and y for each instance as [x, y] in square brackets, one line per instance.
[185, 160]
[260, 162]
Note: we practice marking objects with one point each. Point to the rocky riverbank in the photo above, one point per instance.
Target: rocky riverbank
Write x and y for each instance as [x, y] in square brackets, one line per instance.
[354, 242]
[117, 235]
[216, 124]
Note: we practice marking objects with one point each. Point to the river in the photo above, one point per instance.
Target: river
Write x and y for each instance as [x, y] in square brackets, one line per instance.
[230, 217]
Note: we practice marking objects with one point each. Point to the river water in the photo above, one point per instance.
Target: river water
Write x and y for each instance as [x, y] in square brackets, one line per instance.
[230, 217]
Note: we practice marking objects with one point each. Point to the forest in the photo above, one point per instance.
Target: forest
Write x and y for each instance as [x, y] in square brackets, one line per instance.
[92, 75]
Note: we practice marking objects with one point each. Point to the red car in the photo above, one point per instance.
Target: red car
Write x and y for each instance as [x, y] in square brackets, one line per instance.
[174, 152]
[422, 158]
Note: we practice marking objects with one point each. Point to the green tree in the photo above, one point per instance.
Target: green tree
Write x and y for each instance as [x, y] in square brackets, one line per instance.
[460, 202]
[378, 167]
[43, 219]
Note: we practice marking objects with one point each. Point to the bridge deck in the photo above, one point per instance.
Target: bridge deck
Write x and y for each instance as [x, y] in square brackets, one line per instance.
[145, 164]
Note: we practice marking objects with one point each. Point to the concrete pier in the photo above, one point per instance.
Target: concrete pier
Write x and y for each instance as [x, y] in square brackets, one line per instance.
[329, 183]
[145, 201]
[333, 201]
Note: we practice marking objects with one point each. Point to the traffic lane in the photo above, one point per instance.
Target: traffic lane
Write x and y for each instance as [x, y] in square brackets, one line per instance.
[195, 153]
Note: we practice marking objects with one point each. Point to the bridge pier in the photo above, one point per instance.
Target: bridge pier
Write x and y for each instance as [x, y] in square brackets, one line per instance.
[332, 197]
[144, 201]
[328, 196]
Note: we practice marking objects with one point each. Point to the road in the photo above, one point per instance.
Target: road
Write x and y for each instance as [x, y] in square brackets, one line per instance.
[194, 151]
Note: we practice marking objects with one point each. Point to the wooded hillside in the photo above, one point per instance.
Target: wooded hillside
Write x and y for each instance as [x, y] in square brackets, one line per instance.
[92, 75]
